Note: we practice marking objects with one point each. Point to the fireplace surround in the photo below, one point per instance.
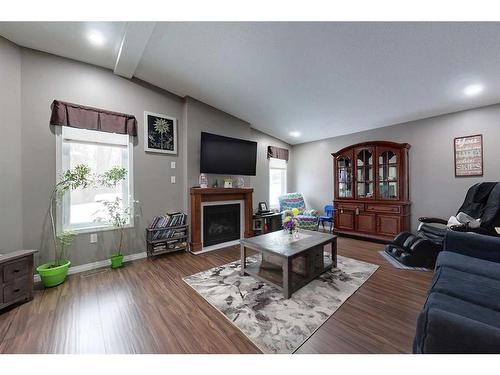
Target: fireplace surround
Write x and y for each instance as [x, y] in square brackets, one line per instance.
[213, 195]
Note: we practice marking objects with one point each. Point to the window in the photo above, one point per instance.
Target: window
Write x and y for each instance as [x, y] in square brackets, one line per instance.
[80, 209]
[277, 181]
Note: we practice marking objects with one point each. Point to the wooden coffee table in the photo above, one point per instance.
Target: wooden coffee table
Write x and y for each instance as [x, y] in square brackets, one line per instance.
[289, 262]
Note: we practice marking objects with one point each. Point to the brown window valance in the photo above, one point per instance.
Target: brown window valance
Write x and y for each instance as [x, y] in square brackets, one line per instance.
[79, 116]
[277, 152]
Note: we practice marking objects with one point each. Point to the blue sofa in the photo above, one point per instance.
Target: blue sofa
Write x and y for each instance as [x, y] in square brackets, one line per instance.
[462, 311]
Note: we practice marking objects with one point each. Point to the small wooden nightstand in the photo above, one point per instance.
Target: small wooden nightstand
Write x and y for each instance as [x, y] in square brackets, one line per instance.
[265, 223]
[16, 277]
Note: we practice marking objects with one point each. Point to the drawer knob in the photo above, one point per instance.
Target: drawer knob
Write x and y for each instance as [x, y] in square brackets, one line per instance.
[17, 290]
[16, 271]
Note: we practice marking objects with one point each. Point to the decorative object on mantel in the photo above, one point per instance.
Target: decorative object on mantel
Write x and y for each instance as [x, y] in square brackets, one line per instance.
[277, 153]
[240, 182]
[216, 183]
[203, 181]
[160, 133]
[167, 233]
[468, 155]
[275, 324]
[228, 182]
[90, 118]
[17, 281]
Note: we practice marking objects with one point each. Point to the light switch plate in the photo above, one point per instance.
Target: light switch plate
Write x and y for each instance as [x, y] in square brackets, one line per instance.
[172, 164]
[172, 179]
[93, 237]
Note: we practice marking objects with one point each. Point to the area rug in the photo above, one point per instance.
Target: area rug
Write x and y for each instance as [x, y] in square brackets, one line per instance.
[397, 264]
[275, 324]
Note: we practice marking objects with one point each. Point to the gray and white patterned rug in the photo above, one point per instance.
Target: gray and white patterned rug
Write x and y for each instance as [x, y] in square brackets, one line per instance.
[275, 324]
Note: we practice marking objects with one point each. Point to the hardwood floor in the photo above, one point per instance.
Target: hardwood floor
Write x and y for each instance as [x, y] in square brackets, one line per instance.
[145, 307]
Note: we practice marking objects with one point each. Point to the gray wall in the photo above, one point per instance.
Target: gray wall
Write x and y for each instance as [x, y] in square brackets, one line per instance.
[202, 117]
[11, 225]
[434, 189]
[45, 78]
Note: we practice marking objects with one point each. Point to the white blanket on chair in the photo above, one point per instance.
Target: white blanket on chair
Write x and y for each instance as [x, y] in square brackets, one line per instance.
[462, 218]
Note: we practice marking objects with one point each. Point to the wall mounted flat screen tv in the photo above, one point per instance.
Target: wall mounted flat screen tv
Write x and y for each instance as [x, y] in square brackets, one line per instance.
[224, 155]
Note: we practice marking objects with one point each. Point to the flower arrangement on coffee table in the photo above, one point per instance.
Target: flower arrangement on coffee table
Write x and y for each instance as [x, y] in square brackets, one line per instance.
[290, 224]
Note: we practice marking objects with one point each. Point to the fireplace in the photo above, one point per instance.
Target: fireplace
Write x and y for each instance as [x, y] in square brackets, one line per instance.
[203, 197]
[221, 223]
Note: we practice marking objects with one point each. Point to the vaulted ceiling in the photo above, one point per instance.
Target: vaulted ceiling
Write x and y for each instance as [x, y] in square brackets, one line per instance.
[297, 81]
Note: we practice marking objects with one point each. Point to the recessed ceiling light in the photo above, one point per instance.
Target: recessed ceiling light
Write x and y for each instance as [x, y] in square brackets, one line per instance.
[96, 38]
[473, 90]
[295, 134]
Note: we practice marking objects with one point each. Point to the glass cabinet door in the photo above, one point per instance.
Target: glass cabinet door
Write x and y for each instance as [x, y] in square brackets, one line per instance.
[364, 173]
[344, 170]
[388, 175]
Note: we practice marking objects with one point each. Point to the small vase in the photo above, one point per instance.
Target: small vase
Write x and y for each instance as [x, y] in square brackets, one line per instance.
[203, 180]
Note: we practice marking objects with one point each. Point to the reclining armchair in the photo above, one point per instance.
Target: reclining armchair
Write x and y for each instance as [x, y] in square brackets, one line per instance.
[482, 201]
[307, 219]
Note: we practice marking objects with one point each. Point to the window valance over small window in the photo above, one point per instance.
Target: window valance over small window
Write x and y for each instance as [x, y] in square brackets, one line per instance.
[277, 152]
[79, 116]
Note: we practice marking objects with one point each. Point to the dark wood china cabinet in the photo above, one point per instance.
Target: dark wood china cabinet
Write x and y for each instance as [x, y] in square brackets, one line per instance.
[371, 189]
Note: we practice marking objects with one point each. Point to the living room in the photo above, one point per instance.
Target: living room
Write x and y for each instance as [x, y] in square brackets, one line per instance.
[249, 187]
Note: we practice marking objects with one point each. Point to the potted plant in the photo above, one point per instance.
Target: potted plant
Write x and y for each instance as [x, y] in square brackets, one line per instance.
[118, 217]
[54, 273]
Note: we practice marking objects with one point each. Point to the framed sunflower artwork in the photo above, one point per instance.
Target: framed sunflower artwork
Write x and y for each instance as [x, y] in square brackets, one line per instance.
[160, 133]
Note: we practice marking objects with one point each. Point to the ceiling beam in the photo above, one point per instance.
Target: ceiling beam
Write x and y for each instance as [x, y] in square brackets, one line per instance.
[135, 40]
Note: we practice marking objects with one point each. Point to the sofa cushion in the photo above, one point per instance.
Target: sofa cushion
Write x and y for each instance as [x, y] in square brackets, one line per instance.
[307, 222]
[464, 308]
[478, 289]
[452, 325]
[468, 264]
[292, 200]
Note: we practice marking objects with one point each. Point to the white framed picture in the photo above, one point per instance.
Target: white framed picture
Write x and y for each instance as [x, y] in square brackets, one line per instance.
[160, 133]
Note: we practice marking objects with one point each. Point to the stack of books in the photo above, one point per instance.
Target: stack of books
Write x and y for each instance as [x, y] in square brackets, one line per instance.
[170, 226]
[169, 220]
[162, 246]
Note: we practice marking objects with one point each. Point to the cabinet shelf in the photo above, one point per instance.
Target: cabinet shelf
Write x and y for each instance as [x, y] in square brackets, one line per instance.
[175, 243]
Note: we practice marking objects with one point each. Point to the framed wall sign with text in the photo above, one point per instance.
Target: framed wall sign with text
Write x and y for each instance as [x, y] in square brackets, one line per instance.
[469, 156]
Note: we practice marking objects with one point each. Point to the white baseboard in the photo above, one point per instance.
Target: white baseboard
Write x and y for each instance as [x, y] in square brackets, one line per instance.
[219, 246]
[95, 265]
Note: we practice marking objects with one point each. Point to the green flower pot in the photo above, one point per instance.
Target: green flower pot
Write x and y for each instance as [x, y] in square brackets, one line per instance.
[53, 275]
[116, 260]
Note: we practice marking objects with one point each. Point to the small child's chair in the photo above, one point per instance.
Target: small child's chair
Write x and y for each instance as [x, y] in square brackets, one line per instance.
[328, 217]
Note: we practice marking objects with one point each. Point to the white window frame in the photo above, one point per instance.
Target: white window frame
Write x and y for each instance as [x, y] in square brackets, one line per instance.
[91, 136]
[279, 164]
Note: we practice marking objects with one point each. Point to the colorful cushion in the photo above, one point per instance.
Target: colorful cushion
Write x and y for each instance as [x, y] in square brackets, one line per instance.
[291, 201]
